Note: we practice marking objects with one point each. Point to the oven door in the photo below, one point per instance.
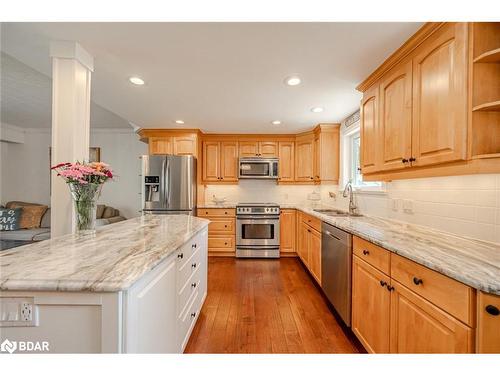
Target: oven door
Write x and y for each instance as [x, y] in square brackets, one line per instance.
[258, 232]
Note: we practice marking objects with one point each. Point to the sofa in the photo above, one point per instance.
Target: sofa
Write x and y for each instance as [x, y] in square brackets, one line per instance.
[104, 215]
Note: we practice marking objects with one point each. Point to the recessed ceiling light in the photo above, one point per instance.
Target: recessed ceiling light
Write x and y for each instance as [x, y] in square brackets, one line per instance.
[180, 122]
[317, 109]
[276, 122]
[292, 81]
[136, 80]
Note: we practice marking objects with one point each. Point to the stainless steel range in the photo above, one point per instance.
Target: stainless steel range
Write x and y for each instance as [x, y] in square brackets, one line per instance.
[257, 230]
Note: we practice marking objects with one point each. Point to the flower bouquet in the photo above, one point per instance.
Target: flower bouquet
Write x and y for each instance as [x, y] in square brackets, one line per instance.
[85, 181]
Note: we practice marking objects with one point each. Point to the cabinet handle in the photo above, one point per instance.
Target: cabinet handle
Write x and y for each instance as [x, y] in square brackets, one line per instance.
[417, 281]
[193, 315]
[309, 230]
[404, 160]
[225, 243]
[181, 255]
[412, 159]
[194, 246]
[366, 252]
[193, 285]
[312, 178]
[225, 226]
[206, 212]
[492, 310]
[390, 288]
[225, 212]
[193, 265]
[382, 283]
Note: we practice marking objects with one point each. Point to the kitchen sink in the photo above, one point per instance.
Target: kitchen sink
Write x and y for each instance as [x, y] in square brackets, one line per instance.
[333, 212]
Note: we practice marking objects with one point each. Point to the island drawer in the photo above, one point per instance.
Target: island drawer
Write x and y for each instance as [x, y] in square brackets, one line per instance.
[312, 221]
[188, 268]
[188, 319]
[450, 295]
[227, 212]
[221, 225]
[190, 287]
[374, 255]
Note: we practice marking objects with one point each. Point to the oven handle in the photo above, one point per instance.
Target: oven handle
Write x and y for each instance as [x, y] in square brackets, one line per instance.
[258, 217]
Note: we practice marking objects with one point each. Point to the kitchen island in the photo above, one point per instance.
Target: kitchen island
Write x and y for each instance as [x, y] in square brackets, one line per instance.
[134, 286]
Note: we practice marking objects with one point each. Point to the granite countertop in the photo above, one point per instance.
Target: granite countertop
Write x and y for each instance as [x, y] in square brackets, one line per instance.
[117, 256]
[473, 262]
[218, 205]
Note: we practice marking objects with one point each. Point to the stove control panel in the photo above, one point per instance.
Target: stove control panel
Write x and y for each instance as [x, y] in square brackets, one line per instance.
[252, 210]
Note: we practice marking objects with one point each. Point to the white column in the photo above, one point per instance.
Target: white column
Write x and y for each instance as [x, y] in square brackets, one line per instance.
[72, 67]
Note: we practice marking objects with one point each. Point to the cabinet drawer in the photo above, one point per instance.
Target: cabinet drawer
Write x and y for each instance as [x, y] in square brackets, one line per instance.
[375, 255]
[187, 251]
[312, 221]
[188, 269]
[187, 291]
[488, 323]
[187, 320]
[228, 212]
[452, 296]
[221, 225]
[221, 243]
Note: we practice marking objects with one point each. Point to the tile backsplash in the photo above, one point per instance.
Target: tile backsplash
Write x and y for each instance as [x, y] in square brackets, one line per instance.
[465, 205]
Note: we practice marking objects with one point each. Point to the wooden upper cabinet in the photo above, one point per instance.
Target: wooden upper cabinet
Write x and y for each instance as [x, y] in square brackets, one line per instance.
[185, 145]
[440, 97]
[286, 168]
[369, 130]
[249, 149]
[417, 326]
[371, 304]
[211, 161]
[396, 118]
[161, 145]
[327, 153]
[304, 159]
[268, 149]
[229, 161]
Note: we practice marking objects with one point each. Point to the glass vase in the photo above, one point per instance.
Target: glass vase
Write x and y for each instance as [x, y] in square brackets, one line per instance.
[85, 202]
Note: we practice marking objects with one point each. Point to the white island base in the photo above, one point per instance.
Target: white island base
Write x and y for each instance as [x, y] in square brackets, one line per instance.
[156, 314]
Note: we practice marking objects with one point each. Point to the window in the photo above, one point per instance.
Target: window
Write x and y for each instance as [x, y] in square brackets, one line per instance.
[351, 168]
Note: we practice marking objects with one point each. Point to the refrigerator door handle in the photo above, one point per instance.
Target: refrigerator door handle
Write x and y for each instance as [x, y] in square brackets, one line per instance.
[167, 182]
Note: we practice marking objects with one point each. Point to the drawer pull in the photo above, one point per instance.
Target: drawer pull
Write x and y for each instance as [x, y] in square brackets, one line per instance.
[404, 161]
[225, 243]
[382, 283]
[390, 288]
[225, 226]
[206, 212]
[225, 212]
[193, 285]
[492, 310]
[193, 315]
[194, 246]
[417, 281]
[193, 265]
[412, 159]
[366, 252]
[181, 255]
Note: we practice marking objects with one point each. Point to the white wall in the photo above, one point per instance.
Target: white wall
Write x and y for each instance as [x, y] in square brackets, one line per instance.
[464, 205]
[25, 176]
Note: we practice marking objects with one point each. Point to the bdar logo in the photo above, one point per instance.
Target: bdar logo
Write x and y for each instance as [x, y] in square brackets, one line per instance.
[8, 346]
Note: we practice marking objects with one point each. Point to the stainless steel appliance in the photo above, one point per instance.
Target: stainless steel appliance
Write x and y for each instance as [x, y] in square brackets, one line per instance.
[169, 184]
[258, 168]
[257, 230]
[336, 259]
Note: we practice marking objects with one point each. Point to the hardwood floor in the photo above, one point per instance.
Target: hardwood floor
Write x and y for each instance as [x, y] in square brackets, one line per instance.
[266, 306]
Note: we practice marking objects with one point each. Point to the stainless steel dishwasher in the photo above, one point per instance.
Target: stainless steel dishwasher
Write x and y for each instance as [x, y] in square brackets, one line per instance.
[336, 261]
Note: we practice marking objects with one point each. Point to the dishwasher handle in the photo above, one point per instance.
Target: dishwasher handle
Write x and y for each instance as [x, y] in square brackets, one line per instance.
[332, 235]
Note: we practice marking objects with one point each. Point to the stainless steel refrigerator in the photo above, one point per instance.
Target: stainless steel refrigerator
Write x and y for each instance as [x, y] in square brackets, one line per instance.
[169, 184]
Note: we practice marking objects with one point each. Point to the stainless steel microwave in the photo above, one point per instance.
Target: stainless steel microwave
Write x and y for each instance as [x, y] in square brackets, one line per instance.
[258, 168]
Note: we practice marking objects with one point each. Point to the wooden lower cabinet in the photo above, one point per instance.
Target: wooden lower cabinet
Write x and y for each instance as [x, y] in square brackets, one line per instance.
[309, 248]
[371, 303]
[418, 326]
[221, 230]
[302, 237]
[488, 323]
[287, 231]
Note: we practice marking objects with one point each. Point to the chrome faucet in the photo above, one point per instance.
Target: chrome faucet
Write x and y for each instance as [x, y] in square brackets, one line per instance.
[348, 191]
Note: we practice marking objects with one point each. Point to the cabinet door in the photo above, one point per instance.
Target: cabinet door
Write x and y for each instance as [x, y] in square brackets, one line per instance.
[211, 160]
[417, 326]
[249, 149]
[440, 97]
[369, 130]
[229, 161]
[287, 231]
[160, 146]
[488, 323]
[287, 161]
[371, 302]
[317, 158]
[187, 145]
[395, 118]
[304, 159]
[268, 149]
[315, 254]
[303, 243]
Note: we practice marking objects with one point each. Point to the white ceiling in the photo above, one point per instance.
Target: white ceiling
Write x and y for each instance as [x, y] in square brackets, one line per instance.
[220, 77]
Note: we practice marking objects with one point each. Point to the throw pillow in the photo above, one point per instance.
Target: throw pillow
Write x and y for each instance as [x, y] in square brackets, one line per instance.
[31, 216]
[10, 218]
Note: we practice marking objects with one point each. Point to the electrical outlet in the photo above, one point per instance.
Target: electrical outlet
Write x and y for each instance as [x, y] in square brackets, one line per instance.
[26, 312]
[408, 206]
[395, 204]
